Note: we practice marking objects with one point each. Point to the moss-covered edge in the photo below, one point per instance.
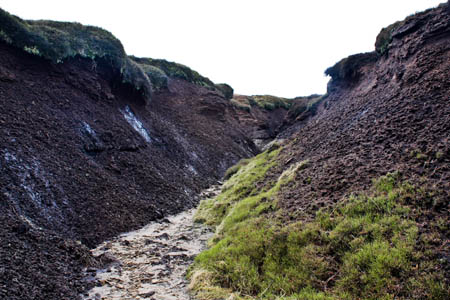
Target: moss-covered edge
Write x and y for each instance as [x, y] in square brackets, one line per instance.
[59, 41]
[294, 106]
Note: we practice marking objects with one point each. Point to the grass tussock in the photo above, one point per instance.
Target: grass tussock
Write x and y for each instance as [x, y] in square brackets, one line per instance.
[161, 69]
[366, 247]
[269, 102]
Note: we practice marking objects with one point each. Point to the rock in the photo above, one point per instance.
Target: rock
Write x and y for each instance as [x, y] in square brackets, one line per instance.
[125, 243]
[147, 294]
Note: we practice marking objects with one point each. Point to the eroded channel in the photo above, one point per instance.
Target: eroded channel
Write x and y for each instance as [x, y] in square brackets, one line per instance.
[151, 262]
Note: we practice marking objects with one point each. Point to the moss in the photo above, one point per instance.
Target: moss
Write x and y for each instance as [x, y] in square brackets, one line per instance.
[4, 37]
[365, 247]
[133, 74]
[311, 294]
[159, 70]
[439, 155]
[419, 155]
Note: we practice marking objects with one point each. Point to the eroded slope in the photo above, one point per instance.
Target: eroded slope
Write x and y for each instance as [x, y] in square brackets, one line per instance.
[354, 205]
[87, 152]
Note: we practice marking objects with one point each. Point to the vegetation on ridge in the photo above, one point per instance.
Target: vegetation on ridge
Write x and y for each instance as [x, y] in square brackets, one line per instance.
[158, 68]
[58, 41]
[298, 108]
[267, 102]
[366, 247]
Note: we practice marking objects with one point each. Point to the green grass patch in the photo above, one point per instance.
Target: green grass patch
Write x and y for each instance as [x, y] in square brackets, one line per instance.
[366, 247]
[234, 169]
[242, 184]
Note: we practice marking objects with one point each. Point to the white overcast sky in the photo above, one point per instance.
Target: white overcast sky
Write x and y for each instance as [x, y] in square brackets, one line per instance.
[278, 47]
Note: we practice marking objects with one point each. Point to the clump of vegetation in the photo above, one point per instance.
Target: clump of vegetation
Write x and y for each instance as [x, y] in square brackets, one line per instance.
[384, 38]
[304, 106]
[366, 247]
[58, 41]
[226, 90]
[157, 76]
[269, 102]
[266, 102]
[159, 70]
[418, 154]
[176, 70]
[241, 102]
[386, 35]
[296, 106]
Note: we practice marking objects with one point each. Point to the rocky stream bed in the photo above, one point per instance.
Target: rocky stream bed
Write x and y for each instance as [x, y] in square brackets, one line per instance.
[150, 263]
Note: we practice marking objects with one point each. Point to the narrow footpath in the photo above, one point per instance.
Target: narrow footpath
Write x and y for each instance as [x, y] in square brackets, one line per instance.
[151, 262]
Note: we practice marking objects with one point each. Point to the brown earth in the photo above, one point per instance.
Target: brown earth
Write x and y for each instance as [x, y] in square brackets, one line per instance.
[390, 113]
[383, 113]
[73, 168]
[263, 125]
